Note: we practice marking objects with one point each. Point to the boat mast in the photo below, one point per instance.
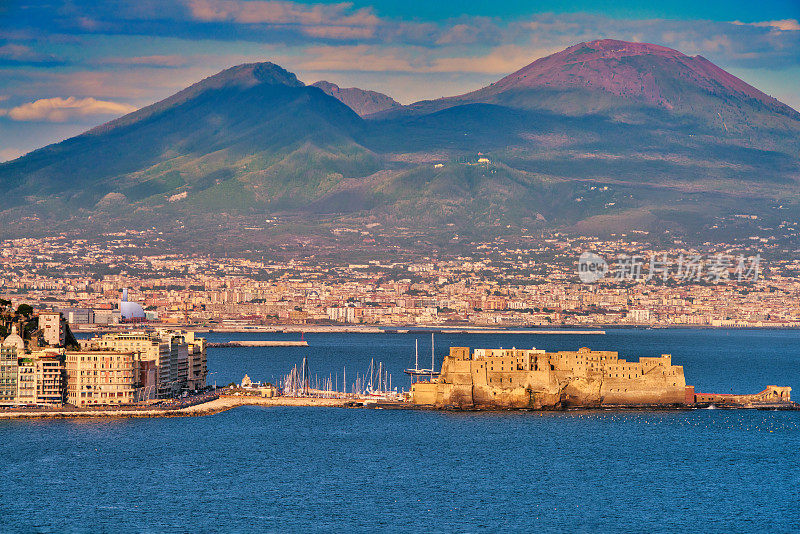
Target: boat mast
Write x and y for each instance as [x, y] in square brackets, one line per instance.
[431, 355]
[371, 372]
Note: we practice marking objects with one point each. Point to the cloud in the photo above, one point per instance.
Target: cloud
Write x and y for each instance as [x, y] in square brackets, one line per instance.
[502, 60]
[281, 12]
[785, 25]
[356, 58]
[165, 46]
[320, 21]
[472, 30]
[339, 32]
[7, 154]
[156, 61]
[63, 109]
[13, 53]
[135, 84]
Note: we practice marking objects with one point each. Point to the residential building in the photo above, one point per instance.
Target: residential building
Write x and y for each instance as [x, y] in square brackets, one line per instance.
[54, 328]
[8, 375]
[169, 362]
[51, 376]
[26, 381]
[174, 367]
[198, 364]
[101, 377]
[10, 349]
[31, 378]
[151, 351]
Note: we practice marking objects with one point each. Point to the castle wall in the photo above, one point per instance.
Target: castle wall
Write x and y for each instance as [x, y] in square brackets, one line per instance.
[518, 378]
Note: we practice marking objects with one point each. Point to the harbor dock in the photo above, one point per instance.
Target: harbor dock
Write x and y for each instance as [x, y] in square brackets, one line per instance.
[210, 406]
[265, 343]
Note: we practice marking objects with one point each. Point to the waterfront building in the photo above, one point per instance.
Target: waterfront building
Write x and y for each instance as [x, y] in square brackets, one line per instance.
[169, 362]
[197, 363]
[151, 353]
[174, 368]
[41, 378]
[10, 349]
[8, 375]
[51, 376]
[26, 381]
[101, 377]
[31, 378]
[77, 316]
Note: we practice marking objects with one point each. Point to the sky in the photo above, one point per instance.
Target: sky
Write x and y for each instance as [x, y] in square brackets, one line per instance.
[69, 65]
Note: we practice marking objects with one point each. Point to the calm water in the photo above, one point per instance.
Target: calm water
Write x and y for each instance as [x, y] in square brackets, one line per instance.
[303, 469]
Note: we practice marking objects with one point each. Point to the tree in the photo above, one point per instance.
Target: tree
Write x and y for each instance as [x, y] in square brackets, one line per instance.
[25, 309]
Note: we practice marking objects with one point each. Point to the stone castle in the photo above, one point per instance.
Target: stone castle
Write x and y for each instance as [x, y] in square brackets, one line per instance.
[531, 378]
[536, 379]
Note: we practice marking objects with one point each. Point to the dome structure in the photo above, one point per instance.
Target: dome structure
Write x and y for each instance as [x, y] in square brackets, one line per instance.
[14, 340]
[130, 311]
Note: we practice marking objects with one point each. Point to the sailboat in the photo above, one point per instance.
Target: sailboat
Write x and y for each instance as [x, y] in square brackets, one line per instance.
[416, 371]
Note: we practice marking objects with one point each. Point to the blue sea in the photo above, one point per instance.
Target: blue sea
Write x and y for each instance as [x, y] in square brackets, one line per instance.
[325, 469]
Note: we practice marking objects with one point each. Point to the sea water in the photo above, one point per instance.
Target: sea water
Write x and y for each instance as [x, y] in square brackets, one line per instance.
[323, 469]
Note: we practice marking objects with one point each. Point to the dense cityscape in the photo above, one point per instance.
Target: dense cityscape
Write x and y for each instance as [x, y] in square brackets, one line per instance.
[42, 364]
[532, 282]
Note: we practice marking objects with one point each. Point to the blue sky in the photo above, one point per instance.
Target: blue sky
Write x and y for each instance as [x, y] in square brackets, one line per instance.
[68, 65]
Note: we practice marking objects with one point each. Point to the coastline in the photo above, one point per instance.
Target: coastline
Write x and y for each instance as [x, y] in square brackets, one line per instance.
[599, 329]
[340, 329]
[217, 405]
[229, 402]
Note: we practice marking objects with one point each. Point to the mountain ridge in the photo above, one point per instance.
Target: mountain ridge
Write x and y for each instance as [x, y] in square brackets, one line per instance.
[606, 74]
[362, 101]
[602, 131]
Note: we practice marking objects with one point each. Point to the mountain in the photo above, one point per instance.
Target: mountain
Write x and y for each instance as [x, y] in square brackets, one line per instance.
[602, 136]
[359, 100]
[628, 81]
[226, 140]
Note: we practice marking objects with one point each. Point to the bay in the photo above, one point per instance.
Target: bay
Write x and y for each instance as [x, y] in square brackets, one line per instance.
[314, 470]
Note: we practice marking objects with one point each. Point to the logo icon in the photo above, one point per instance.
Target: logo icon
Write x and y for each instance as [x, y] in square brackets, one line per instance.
[591, 267]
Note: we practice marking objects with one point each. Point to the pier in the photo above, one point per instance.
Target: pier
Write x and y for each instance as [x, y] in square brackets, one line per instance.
[231, 344]
[209, 405]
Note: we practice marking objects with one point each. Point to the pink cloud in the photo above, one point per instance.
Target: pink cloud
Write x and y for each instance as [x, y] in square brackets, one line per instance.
[281, 12]
[500, 60]
[63, 109]
[148, 61]
[339, 32]
[7, 154]
[785, 25]
[359, 58]
[22, 53]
